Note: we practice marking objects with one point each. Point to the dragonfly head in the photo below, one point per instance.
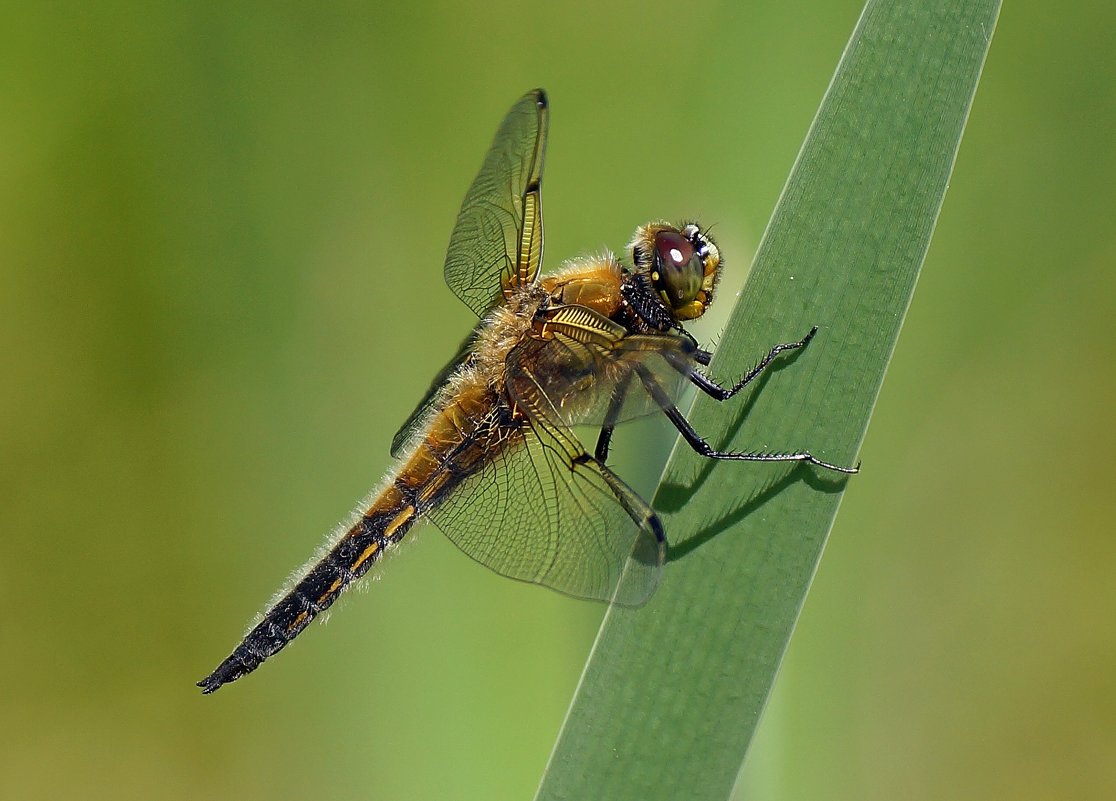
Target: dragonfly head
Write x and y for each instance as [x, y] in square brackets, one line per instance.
[681, 264]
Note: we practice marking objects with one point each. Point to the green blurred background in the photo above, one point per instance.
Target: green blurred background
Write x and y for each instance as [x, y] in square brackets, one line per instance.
[221, 233]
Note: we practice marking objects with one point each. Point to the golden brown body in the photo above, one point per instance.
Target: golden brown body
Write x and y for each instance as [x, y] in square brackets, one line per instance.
[488, 454]
[472, 421]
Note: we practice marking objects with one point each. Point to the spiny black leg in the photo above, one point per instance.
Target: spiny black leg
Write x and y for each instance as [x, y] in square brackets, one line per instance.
[638, 509]
[701, 356]
[695, 440]
[715, 390]
[604, 439]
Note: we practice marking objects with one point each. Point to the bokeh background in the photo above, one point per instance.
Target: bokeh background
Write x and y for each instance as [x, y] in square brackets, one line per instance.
[221, 232]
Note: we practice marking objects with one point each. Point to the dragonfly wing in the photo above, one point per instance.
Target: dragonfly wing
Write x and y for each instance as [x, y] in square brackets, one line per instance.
[541, 510]
[497, 241]
[588, 367]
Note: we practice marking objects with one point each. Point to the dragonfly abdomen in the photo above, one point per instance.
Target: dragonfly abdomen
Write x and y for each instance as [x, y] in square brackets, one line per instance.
[448, 451]
[349, 559]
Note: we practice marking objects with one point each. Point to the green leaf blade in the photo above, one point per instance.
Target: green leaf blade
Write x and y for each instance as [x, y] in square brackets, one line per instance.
[673, 691]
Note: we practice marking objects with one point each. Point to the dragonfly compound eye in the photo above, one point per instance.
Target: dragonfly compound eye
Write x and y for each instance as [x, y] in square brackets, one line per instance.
[678, 271]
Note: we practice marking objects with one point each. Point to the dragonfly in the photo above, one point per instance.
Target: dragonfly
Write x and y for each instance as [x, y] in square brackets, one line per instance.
[489, 454]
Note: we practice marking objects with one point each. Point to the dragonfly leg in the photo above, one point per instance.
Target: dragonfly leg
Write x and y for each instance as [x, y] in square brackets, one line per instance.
[715, 390]
[638, 509]
[700, 446]
[701, 356]
[604, 439]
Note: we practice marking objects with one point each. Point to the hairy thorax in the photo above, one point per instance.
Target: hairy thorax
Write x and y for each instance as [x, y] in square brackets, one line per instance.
[592, 281]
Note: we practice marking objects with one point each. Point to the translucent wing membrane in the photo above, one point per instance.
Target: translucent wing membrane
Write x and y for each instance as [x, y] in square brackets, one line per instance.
[588, 374]
[497, 240]
[541, 511]
[488, 454]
